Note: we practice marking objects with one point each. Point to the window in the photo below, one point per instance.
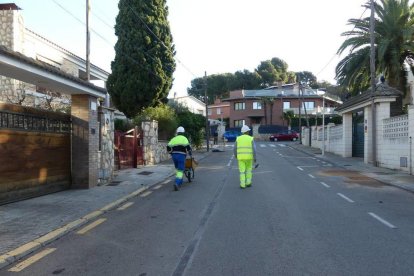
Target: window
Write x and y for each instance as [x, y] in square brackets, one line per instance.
[238, 123]
[257, 105]
[286, 105]
[309, 105]
[239, 106]
[218, 110]
[209, 111]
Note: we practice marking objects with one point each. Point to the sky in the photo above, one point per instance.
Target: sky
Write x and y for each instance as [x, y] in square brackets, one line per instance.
[214, 36]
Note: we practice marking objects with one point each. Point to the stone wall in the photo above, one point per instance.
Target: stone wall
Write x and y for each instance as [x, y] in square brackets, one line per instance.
[106, 153]
[154, 151]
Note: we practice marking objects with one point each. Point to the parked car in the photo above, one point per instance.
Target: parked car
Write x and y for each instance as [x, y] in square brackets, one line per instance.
[289, 135]
[231, 135]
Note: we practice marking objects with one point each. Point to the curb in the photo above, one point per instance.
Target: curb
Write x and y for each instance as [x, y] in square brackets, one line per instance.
[25, 249]
[20, 252]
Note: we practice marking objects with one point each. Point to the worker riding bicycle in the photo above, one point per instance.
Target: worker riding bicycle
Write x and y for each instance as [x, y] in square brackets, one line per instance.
[178, 147]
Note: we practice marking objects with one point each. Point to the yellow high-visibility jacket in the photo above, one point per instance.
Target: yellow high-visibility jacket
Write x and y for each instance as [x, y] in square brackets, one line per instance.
[179, 144]
[245, 148]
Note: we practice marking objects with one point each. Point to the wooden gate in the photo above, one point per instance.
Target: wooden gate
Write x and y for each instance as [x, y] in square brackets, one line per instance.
[129, 150]
[34, 152]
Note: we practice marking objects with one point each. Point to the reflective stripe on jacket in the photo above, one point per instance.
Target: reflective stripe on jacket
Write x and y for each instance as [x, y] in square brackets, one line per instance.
[179, 144]
[244, 144]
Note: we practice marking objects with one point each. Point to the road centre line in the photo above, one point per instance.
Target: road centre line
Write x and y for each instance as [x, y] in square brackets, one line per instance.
[382, 220]
[91, 226]
[326, 185]
[345, 197]
[157, 187]
[299, 168]
[311, 176]
[22, 265]
[147, 193]
[231, 159]
[166, 181]
[126, 205]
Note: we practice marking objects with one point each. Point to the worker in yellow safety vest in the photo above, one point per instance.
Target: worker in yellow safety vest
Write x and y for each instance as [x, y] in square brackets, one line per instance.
[178, 147]
[245, 153]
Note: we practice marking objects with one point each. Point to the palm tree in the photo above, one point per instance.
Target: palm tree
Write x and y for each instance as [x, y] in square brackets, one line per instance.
[394, 30]
[288, 116]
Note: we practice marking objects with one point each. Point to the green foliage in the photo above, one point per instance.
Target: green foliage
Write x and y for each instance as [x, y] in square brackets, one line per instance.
[194, 124]
[336, 119]
[123, 125]
[308, 77]
[144, 62]
[219, 85]
[394, 30]
[166, 117]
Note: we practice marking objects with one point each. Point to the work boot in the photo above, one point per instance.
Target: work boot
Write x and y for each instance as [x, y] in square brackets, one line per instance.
[242, 187]
[249, 185]
[176, 187]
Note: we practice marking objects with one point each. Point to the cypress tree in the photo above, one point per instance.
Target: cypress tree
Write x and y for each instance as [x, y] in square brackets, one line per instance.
[144, 56]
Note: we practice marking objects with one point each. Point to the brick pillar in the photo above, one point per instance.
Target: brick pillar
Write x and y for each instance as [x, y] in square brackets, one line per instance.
[85, 141]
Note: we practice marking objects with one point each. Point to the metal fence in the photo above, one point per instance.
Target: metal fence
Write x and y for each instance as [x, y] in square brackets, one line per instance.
[29, 122]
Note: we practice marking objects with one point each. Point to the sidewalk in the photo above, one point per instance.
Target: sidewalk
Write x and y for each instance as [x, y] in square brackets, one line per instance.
[391, 177]
[31, 224]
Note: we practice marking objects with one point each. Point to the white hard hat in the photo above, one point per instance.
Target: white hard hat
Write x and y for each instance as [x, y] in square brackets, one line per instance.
[180, 129]
[245, 129]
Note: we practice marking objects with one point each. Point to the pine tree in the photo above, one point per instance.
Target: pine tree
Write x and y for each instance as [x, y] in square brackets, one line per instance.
[144, 56]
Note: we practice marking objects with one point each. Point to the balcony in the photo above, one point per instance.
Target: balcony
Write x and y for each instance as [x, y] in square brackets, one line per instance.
[312, 111]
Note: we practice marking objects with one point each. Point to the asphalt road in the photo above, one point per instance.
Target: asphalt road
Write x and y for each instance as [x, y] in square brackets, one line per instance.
[301, 217]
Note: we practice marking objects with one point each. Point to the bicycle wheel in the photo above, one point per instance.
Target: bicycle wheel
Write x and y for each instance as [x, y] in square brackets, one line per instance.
[187, 173]
[192, 173]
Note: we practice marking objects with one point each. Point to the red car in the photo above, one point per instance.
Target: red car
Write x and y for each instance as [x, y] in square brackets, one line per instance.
[289, 135]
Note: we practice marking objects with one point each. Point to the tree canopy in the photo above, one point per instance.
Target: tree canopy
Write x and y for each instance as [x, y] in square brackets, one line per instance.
[268, 73]
[144, 61]
[394, 44]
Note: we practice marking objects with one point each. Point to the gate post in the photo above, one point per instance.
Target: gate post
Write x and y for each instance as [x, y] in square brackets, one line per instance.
[85, 141]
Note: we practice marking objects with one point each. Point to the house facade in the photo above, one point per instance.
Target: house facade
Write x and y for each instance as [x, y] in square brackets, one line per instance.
[16, 37]
[219, 110]
[266, 106]
[193, 104]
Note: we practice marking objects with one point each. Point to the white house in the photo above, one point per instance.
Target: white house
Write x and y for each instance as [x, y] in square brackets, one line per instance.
[193, 104]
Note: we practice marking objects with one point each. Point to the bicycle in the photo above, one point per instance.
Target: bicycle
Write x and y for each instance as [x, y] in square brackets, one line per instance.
[190, 164]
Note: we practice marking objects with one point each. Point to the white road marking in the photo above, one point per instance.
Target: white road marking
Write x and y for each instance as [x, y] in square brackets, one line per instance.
[311, 176]
[262, 146]
[326, 185]
[157, 187]
[382, 220]
[300, 168]
[166, 181]
[22, 265]
[345, 197]
[272, 146]
[231, 159]
[282, 145]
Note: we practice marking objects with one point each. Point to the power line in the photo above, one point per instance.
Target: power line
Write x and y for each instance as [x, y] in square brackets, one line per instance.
[83, 23]
[159, 40]
[332, 58]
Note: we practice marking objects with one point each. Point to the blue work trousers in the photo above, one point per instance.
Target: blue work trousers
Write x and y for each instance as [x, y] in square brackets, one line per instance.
[179, 163]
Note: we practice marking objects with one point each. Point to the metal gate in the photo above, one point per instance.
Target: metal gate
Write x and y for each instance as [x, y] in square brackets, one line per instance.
[129, 150]
[358, 134]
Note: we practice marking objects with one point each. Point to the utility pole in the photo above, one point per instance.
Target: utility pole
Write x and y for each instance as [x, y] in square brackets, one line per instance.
[88, 42]
[206, 102]
[300, 115]
[373, 86]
